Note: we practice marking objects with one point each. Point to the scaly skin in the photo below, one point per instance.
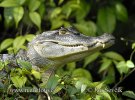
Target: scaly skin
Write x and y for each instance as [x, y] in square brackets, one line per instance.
[58, 47]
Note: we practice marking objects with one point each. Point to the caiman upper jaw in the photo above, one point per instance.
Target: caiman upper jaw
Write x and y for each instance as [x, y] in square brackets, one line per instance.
[103, 41]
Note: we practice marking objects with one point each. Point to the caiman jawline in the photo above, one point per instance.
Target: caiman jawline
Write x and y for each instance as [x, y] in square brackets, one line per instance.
[77, 45]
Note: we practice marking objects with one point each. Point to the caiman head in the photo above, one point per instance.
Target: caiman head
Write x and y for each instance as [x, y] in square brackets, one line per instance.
[65, 45]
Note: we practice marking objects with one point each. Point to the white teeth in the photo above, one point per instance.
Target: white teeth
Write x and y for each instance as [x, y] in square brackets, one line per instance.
[103, 45]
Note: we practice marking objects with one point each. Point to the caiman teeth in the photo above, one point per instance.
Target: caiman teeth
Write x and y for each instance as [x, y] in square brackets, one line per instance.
[71, 45]
[103, 45]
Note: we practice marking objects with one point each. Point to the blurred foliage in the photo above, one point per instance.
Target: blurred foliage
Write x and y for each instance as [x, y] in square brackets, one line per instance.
[73, 82]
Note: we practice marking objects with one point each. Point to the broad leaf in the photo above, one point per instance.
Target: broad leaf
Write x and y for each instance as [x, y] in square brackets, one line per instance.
[11, 3]
[19, 81]
[122, 67]
[6, 43]
[18, 42]
[18, 14]
[29, 37]
[52, 82]
[88, 28]
[34, 5]
[129, 94]
[114, 55]
[8, 16]
[36, 74]
[106, 63]
[106, 19]
[121, 12]
[36, 19]
[130, 64]
[80, 72]
[91, 58]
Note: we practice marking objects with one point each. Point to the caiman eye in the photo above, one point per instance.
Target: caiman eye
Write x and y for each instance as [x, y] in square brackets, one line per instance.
[63, 31]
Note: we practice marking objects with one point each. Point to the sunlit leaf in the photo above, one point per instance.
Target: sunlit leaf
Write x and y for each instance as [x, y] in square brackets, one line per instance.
[19, 81]
[80, 72]
[18, 14]
[36, 19]
[55, 12]
[114, 55]
[121, 12]
[34, 5]
[122, 67]
[105, 95]
[133, 46]
[11, 3]
[6, 43]
[106, 19]
[18, 42]
[80, 86]
[130, 64]
[36, 74]
[29, 37]
[56, 23]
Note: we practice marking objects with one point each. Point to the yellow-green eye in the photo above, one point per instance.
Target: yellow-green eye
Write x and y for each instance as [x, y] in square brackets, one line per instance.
[62, 31]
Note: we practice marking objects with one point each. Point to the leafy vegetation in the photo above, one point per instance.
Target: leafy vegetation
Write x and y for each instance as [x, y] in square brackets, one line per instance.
[26, 18]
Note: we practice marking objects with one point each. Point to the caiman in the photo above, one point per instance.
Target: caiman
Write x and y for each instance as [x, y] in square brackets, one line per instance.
[54, 48]
[58, 47]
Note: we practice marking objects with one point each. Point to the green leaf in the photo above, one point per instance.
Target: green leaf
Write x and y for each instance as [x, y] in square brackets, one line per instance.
[80, 86]
[8, 16]
[91, 58]
[129, 94]
[80, 72]
[114, 55]
[130, 64]
[52, 82]
[11, 3]
[1, 65]
[25, 65]
[56, 23]
[88, 28]
[105, 95]
[42, 10]
[106, 63]
[106, 19]
[6, 43]
[19, 81]
[29, 37]
[71, 66]
[122, 67]
[36, 74]
[110, 77]
[18, 42]
[36, 19]
[55, 12]
[121, 12]
[18, 14]
[133, 46]
[34, 5]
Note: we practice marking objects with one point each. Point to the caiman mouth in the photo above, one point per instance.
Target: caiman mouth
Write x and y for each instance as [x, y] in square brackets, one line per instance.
[102, 43]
